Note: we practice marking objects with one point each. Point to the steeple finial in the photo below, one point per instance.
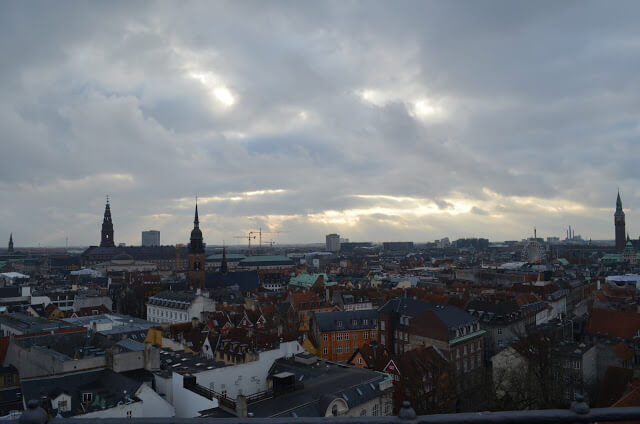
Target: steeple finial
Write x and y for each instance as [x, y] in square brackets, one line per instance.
[196, 221]
[10, 249]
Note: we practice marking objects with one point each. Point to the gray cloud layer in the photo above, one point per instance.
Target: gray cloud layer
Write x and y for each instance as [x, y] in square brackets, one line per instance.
[405, 120]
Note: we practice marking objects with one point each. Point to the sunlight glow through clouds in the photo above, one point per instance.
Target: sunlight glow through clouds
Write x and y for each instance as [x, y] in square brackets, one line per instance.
[188, 202]
[215, 87]
[421, 108]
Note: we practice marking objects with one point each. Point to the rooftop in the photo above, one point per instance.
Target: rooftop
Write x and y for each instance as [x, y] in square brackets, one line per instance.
[321, 380]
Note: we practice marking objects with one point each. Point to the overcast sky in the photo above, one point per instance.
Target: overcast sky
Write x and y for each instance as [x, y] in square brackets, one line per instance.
[377, 120]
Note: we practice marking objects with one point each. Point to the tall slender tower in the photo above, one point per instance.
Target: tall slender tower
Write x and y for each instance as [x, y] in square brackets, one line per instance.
[107, 228]
[195, 274]
[224, 267]
[10, 249]
[618, 220]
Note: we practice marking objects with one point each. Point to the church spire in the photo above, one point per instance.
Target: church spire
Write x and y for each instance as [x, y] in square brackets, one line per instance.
[106, 239]
[196, 243]
[619, 223]
[10, 249]
[618, 203]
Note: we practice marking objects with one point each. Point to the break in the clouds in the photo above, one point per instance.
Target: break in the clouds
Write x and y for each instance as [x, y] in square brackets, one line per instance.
[377, 120]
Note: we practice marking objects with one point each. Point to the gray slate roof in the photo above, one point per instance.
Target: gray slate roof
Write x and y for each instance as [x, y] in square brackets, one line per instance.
[322, 382]
[351, 320]
[106, 384]
[451, 316]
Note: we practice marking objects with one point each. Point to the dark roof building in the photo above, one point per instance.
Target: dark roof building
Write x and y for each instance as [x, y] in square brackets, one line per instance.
[320, 389]
[85, 392]
[243, 280]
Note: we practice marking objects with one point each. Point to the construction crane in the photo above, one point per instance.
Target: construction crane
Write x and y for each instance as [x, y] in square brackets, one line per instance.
[260, 233]
[248, 237]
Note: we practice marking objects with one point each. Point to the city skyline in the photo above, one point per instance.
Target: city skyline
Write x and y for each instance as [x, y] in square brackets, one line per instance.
[415, 121]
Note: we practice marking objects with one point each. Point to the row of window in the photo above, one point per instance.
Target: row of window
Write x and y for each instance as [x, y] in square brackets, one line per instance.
[354, 322]
[469, 364]
[155, 312]
[339, 349]
[402, 336]
[345, 336]
[472, 349]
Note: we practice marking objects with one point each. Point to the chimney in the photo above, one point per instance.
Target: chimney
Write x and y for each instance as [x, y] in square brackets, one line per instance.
[148, 356]
[241, 406]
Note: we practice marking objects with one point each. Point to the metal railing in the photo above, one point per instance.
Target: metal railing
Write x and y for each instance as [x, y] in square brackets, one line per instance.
[578, 413]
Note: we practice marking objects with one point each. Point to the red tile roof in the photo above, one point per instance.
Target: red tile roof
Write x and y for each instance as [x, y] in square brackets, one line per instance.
[609, 323]
[614, 384]
[623, 351]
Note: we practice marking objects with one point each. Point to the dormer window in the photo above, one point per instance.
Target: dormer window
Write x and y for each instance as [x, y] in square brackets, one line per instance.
[339, 324]
[87, 397]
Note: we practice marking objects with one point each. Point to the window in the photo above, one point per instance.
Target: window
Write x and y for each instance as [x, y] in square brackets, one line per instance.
[499, 330]
[339, 336]
[63, 405]
[387, 408]
[365, 321]
[375, 412]
[325, 337]
[339, 349]
[334, 410]
[359, 360]
[339, 324]
[346, 349]
[373, 334]
[464, 349]
[325, 350]
[128, 414]
[363, 412]
[355, 336]
[383, 339]
[382, 325]
[346, 336]
[366, 335]
[87, 397]
[406, 337]
[457, 352]
[354, 322]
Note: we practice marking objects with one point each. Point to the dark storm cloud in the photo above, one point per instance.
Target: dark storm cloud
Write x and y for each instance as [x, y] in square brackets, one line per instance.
[416, 120]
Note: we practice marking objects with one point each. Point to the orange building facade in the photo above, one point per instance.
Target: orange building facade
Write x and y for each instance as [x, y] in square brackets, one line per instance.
[337, 335]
